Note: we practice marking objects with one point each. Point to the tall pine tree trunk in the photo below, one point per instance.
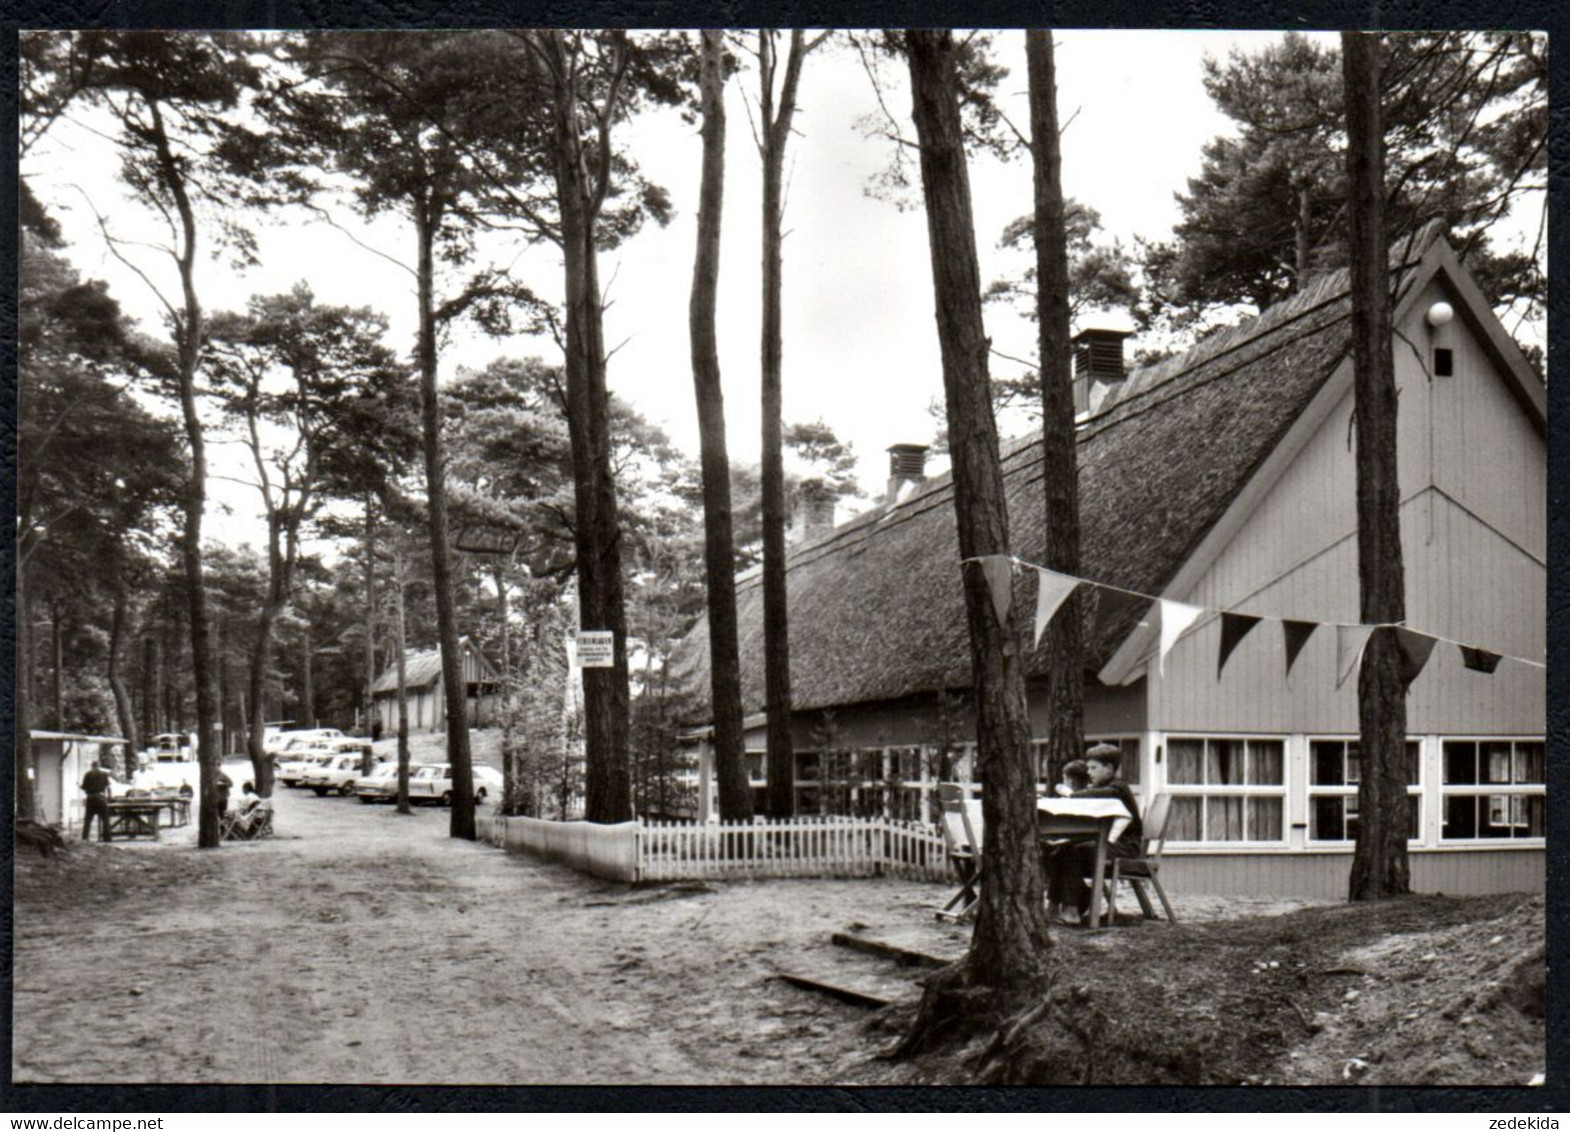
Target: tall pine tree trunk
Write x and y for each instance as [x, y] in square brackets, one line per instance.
[225, 691]
[256, 719]
[403, 692]
[602, 605]
[149, 684]
[462, 824]
[57, 665]
[370, 614]
[307, 680]
[774, 133]
[125, 710]
[1379, 858]
[1059, 458]
[25, 779]
[719, 555]
[188, 342]
[1006, 963]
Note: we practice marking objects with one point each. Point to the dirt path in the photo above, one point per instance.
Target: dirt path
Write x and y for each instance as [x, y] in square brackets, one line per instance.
[361, 946]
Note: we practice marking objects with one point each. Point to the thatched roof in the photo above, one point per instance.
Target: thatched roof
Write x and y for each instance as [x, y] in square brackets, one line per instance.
[423, 668]
[876, 608]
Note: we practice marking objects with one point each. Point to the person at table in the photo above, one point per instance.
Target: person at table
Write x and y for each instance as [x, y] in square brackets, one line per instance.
[1076, 777]
[95, 784]
[1070, 869]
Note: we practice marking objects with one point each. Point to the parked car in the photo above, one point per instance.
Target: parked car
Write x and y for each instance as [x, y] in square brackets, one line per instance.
[295, 763]
[434, 784]
[336, 774]
[381, 785]
[280, 742]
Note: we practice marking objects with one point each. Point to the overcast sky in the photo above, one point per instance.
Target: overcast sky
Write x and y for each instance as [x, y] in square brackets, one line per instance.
[860, 344]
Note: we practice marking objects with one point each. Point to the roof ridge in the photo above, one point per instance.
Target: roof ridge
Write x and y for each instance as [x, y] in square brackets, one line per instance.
[1404, 253]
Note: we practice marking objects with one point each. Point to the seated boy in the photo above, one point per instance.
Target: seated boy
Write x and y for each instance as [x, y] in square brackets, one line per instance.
[253, 814]
[1071, 867]
[1075, 779]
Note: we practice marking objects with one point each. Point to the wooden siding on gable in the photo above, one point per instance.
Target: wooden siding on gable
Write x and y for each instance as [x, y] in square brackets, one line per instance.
[1473, 518]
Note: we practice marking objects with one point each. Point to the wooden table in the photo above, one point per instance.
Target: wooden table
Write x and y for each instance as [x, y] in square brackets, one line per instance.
[178, 806]
[1079, 819]
[130, 818]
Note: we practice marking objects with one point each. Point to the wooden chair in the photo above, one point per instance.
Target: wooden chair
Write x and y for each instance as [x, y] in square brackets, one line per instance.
[962, 832]
[1145, 868]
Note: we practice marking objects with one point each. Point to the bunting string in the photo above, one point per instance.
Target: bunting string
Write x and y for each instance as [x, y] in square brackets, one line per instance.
[1177, 618]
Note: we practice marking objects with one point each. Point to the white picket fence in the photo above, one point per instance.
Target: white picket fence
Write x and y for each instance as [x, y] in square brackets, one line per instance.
[803, 847]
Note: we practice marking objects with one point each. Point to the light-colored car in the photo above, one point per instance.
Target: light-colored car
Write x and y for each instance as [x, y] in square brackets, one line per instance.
[381, 785]
[335, 775]
[434, 784]
[294, 765]
[282, 742]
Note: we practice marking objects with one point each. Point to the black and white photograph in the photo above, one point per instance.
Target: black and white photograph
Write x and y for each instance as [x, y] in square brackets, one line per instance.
[781, 557]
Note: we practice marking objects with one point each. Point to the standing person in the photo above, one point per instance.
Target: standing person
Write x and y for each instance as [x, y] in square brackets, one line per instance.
[225, 783]
[1071, 869]
[95, 784]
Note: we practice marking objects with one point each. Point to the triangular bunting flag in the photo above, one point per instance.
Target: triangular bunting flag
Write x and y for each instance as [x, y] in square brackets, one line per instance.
[999, 570]
[1351, 640]
[1175, 619]
[1234, 627]
[1052, 590]
[1415, 650]
[1296, 634]
[1479, 660]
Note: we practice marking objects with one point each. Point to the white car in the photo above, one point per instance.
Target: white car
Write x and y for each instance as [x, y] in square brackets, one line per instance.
[434, 784]
[381, 785]
[296, 764]
[334, 775]
[281, 742]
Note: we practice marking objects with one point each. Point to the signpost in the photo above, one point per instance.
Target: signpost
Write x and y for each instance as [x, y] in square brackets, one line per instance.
[596, 648]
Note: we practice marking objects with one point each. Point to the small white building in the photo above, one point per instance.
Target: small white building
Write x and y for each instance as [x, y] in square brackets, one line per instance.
[60, 759]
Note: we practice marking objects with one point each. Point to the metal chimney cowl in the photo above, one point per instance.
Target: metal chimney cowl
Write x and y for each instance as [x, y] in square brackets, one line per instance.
[907, 468]
[1098, 366]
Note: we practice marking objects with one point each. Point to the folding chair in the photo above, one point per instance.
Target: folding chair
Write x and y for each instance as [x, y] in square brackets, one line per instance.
[962, 829]
[1144, 869]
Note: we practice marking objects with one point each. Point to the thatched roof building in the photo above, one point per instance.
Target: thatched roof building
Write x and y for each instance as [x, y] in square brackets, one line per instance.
[877, 610]
[1223, 479]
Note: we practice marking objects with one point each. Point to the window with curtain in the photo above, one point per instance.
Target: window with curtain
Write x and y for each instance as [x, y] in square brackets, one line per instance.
[1226, 790]
[1334, 772]
[1493, 789]
[1127, 744]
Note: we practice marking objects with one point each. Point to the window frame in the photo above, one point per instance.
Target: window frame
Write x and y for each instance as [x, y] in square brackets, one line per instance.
[1131, 759]
[1509, 790]
[1312, 791]
[1280, 791]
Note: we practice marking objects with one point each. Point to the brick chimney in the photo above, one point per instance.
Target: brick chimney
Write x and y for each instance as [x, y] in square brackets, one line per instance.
[814, 516]
[1098, 366]
[907, 468]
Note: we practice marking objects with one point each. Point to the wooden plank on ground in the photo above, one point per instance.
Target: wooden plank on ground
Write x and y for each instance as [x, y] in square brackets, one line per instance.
[844, 994]
[904, 956]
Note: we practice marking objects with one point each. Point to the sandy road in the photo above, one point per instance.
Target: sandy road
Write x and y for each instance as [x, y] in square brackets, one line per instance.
[363, 946]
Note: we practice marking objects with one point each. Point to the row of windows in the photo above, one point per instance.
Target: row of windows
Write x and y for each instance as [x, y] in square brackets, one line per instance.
[1489, 790]
[1224, 790]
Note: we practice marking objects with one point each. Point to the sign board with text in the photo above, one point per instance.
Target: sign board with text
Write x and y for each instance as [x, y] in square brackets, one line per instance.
[596, 648]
